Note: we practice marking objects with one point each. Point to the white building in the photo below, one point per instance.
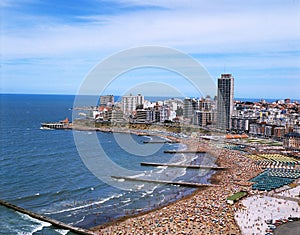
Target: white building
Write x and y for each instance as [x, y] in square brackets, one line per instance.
[106, 100]
[130, 102]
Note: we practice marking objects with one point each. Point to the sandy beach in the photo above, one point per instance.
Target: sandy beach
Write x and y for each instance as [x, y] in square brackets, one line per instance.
[204, 212]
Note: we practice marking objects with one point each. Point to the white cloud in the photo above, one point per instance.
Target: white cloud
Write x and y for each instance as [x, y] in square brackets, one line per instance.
[189, 29]
[243, 35]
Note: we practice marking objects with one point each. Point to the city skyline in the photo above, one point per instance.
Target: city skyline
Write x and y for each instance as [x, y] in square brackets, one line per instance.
[268, 119]
[49, 47]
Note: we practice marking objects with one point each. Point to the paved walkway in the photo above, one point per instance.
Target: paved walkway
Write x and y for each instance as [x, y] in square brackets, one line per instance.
[251, 219]
[292, 228]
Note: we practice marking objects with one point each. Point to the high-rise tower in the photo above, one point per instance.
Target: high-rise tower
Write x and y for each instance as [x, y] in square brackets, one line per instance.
[225, 101]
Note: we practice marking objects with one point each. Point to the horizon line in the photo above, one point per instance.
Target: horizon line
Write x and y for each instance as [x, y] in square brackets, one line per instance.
[71, 94]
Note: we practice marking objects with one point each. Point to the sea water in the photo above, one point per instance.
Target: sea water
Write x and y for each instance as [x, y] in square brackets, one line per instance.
[42, 171]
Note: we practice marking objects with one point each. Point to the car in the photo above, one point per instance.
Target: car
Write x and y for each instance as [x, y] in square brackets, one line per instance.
[269, 221]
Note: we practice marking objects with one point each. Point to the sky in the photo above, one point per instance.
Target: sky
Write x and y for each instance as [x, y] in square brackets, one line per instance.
[50, 46]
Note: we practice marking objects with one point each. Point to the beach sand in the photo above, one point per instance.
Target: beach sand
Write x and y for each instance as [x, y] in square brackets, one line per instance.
[204, 212]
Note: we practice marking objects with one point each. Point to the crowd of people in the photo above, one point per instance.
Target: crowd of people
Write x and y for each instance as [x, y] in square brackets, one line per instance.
[204, 212]
[261, 208]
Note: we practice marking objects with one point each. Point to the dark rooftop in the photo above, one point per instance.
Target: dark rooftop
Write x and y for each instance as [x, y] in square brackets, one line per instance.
[292, 134]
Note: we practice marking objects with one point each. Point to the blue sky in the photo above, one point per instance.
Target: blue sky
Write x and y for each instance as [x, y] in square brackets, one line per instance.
[49, 46]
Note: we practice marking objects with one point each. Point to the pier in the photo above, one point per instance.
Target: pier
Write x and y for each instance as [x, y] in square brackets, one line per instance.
[64, 124]
[179, 183]
[55, 223]
[143, 134]
[183, 151]
[162, 142]
[55, 125]
[183, 165]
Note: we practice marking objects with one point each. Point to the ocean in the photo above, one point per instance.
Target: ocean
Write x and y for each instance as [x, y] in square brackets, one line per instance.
[42, 171]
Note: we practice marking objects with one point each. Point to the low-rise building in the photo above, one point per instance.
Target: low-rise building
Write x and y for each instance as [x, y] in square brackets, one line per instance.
[241, 123]
[144, 116]
[204, 118]
[117, 116]
[279, 132]
[292, 140]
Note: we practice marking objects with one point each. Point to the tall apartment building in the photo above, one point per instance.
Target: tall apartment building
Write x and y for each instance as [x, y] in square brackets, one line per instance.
[130, 102]
[140, 99]
[189, 106]
[106, 100]
[225, 101]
